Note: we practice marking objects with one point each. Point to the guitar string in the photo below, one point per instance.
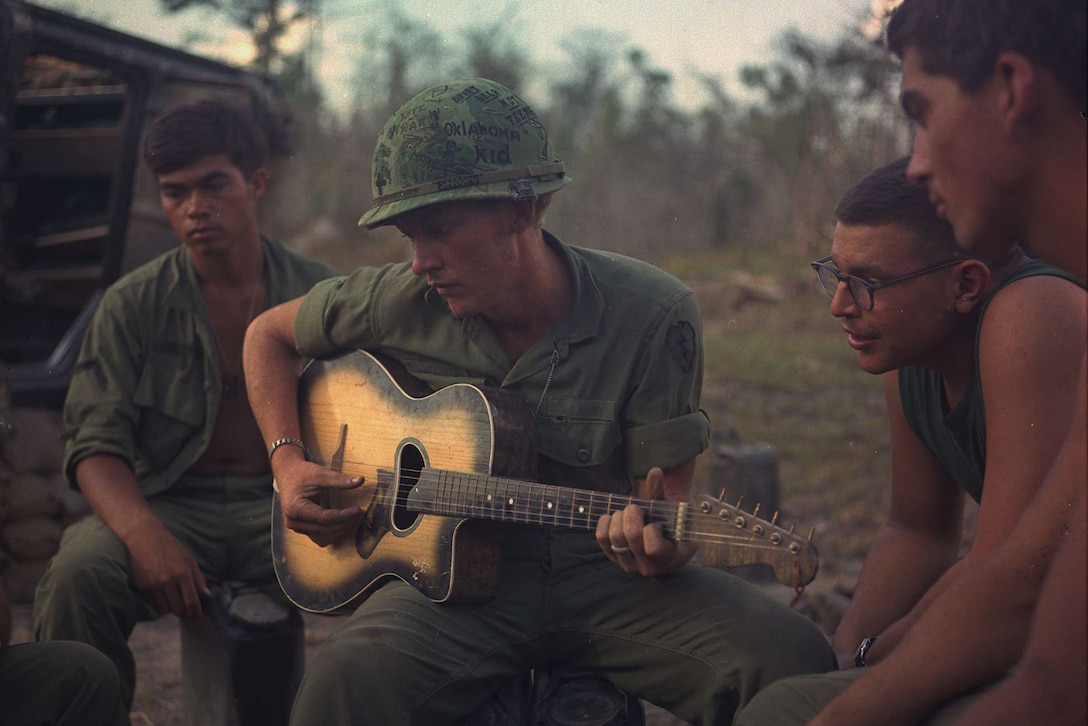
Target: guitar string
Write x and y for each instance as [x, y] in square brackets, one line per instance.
[534, 513]
[434, 477]
[524, 509]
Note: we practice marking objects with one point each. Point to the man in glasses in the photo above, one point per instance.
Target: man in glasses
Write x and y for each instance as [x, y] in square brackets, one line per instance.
[979, 353]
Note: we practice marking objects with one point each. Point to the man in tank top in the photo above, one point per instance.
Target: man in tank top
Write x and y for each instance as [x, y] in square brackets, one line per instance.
[997, 90]
[979, 353]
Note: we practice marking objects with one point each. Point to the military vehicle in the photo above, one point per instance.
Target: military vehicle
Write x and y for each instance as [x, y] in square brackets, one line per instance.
[77, 206]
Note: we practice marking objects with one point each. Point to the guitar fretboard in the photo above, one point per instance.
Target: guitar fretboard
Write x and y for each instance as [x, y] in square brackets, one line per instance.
[480, 496]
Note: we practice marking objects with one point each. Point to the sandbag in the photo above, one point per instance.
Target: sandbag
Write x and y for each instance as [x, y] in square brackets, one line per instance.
[33, 445]
[28, 540]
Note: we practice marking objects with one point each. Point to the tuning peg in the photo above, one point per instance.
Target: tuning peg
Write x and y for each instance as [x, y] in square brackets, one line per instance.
[738, 502]
[811, 534]
[774, 518]
[755, 512]
[721, 497]
[792, 527]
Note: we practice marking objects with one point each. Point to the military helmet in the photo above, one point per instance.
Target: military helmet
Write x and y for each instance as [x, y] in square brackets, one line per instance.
[469, 139]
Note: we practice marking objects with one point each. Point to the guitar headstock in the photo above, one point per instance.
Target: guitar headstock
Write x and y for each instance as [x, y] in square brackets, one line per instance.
[737, 538]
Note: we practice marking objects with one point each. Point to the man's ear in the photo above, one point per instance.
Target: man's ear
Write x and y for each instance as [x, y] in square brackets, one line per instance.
[1018, 89]
[259, 181]
[973, 281]
[524, 214]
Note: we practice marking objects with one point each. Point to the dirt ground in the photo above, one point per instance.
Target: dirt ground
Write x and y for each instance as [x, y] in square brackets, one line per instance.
[157, 645]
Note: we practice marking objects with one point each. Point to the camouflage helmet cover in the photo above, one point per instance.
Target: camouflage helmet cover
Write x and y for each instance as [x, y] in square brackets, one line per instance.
[469, 139]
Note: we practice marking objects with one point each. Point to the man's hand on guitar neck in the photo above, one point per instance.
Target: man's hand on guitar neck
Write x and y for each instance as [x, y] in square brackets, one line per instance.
[643, 548]
[304, 489]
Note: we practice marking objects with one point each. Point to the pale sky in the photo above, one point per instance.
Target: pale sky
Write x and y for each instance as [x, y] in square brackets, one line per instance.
[714, 37]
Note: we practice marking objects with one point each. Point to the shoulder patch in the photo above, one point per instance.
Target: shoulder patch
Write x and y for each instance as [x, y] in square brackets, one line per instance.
[680, 339]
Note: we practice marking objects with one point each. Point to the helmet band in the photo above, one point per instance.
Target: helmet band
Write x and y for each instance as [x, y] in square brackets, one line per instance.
[552, 169]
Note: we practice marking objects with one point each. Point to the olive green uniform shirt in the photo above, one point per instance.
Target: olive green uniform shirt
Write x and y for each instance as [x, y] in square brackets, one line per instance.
[615, 390]
[147, 386]
[614, 387]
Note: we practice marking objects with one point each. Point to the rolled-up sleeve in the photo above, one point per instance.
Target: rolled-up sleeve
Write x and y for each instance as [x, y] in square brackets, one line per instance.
[664, 425]
[667, 443]
[341, 314]
[311, 337]
[99, 414]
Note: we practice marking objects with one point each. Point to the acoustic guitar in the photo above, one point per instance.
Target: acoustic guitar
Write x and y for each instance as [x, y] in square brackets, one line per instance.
[440, 468]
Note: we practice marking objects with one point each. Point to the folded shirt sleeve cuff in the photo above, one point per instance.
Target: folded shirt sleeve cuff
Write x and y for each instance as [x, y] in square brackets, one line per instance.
[667, 443]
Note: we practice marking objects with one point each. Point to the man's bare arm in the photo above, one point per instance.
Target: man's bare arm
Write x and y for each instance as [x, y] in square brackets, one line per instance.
[162, 568]
[918, 544]
[1048, 683]
[272, 367]
[977, 629]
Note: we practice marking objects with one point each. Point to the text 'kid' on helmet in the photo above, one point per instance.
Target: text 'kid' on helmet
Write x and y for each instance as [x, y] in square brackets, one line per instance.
[469, 139]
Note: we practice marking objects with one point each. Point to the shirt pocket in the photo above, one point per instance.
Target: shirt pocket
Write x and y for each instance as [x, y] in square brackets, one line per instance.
[577, 432]
[170, 391]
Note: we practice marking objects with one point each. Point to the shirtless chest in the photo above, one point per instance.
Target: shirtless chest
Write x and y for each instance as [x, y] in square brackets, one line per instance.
[236, 447]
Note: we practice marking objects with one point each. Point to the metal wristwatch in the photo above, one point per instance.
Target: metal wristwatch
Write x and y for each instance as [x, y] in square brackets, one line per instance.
[863, 649]
[285, 442]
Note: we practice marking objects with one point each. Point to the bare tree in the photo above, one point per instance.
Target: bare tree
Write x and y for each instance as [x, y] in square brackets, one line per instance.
[266, 21]
[398, 56]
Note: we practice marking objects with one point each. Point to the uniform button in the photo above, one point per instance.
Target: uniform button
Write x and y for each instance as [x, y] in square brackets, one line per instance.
[583, 455]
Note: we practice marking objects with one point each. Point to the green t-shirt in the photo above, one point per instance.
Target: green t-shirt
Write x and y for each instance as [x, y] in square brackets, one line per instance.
[957, 437]
[623, 369]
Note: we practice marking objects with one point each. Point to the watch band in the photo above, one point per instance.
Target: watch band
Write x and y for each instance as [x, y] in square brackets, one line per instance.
[288, 442]
[863, 650]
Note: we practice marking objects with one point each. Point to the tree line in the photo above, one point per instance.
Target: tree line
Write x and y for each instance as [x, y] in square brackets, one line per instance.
[653, 178]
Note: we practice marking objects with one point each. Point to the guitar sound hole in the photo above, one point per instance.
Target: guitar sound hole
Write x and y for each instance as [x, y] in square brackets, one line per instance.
[410, 464]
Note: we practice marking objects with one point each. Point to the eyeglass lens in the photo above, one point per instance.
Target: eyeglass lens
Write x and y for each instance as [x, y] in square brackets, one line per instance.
[829, 279]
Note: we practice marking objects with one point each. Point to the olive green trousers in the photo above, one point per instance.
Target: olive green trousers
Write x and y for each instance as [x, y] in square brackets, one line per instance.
[700, 643]
[62, 684]
[796, 701]
[87, 593]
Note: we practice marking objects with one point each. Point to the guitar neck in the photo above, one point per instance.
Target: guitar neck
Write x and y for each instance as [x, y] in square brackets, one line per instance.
[479, 496]
[726, 535]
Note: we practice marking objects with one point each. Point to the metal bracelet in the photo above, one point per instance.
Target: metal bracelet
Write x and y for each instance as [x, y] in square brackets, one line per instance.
[288, 442]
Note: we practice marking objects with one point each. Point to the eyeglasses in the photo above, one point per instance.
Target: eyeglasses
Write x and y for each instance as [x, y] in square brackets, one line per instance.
[860, 290]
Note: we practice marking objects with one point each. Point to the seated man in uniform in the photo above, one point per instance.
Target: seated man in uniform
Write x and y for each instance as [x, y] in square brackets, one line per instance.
[160, 437]
[605, 354]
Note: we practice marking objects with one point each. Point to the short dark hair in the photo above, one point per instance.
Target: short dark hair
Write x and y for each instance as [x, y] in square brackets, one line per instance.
[962, 38]
[186, 133]
[886, 196]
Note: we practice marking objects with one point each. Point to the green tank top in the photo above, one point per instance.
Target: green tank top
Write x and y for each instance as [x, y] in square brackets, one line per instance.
[957, 437]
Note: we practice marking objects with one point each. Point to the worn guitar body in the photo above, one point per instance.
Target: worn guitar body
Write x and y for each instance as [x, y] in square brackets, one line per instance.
[359, 418]
[439, 468]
